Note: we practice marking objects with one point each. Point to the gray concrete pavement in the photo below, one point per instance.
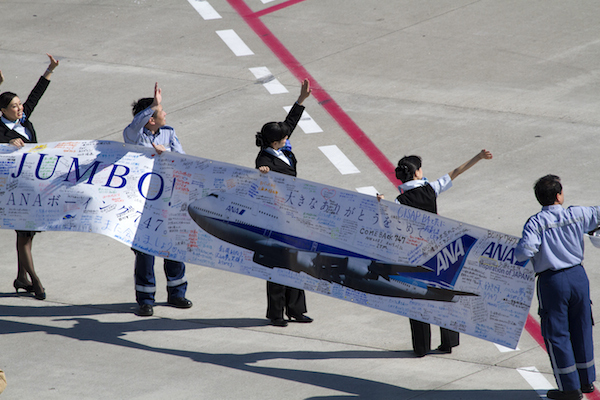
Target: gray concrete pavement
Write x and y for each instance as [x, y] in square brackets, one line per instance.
[442, 79]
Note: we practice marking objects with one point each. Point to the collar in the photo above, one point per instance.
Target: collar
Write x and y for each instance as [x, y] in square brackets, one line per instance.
[415, 183]
[553, 207]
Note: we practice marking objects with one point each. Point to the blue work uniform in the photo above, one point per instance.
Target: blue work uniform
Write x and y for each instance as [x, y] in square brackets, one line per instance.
[145, 281]
[553, 240]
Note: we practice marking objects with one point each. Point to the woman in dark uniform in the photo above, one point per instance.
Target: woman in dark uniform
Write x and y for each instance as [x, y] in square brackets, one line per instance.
[276, 155]
[418, 192]
[17, 129]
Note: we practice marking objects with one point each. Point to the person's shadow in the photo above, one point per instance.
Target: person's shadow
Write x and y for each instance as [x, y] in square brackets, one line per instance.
[13, 321]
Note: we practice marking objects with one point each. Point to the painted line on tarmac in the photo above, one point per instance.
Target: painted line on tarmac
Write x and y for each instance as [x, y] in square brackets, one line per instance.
[504, 349]
[306, 123]
[276, 7]
[267, 79]
[339, 159]
[235, 43]
[297, 69]
[536, 380]
[205, 10]
[370, 190]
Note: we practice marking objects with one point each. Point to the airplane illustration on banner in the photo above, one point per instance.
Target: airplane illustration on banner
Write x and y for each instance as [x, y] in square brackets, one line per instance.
[234, 219]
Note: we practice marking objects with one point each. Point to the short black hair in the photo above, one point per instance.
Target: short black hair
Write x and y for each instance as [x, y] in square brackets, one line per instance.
[140, 105]
[407, 166]
[6, 98]
[546, 188]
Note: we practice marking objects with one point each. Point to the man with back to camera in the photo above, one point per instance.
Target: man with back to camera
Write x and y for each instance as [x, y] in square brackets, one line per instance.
[553, 240]
[148, 129]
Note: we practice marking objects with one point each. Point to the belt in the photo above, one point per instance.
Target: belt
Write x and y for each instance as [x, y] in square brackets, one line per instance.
[557, 270]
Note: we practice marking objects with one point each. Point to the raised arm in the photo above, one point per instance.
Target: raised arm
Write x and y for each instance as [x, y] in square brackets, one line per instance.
[51, 67]
[305, 91]
[1, 78]
[157, 96]
[482, 155]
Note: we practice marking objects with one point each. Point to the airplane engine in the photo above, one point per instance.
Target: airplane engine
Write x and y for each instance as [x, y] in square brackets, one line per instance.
[359, 268]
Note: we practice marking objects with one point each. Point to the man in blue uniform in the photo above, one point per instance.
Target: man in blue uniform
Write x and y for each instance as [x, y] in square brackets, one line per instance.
[148, 129]
[553, 240]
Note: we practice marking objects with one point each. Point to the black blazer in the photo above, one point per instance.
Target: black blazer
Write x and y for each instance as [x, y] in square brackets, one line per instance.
[34, 97]
[274, 163]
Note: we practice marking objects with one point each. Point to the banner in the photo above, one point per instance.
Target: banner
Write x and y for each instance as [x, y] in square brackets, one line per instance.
[275, 227]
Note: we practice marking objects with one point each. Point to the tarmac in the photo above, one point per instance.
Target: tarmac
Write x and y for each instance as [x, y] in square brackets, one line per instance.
[441, 79]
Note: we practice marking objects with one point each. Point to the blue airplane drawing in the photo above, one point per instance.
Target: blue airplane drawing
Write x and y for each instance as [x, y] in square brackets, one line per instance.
[234, 219]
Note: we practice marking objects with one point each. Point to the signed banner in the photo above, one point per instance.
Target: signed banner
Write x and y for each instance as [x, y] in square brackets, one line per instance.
[275, 227]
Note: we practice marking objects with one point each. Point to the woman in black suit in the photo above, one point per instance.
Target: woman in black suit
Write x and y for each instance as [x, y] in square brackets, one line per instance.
[276, 155]
[17, 129]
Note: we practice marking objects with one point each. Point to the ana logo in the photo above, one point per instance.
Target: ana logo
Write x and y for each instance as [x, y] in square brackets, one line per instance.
[502, 253]
[449, 256]
[448, 262]
[235, 210]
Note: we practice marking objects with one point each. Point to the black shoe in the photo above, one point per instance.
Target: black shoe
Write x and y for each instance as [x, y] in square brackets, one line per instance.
[20, 285]
[588, 388]
[145, 310]
[180, 302]
[279, 322]
[444, 349]
[564, 395]
[300, 318]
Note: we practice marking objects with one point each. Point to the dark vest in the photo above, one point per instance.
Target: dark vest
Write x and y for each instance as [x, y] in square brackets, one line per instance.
[423, 198]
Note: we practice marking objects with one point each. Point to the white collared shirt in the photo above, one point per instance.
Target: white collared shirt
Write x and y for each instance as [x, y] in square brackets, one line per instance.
[279, 154]
[17, 127]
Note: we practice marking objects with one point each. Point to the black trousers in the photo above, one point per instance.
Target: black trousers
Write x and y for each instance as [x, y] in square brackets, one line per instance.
[421, 337]
[280, 298]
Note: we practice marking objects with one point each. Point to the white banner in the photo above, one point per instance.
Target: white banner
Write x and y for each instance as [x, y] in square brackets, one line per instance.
[275, 227]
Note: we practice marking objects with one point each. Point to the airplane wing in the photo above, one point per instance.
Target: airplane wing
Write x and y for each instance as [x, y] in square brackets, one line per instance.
[441, 294]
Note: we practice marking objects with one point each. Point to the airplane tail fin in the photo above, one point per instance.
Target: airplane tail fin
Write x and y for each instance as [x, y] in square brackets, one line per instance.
[447, 263]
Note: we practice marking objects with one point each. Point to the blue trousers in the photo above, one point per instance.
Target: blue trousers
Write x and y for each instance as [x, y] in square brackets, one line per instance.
[145, 282]
[566, 313]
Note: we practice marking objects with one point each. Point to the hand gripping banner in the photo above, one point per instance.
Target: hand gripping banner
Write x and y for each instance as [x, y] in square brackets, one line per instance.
[275, 227]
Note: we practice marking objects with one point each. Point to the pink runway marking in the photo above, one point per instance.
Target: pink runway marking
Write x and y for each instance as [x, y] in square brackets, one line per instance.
[345, 122]
[298, 70]
[276, 8]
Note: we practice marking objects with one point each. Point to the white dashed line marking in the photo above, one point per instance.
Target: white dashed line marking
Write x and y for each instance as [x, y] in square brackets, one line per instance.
[536, 380]
[370, 190]
[306, 123]
[205, 10]
[235, 43]
[504, 349]
[339, 160]
[268, 80]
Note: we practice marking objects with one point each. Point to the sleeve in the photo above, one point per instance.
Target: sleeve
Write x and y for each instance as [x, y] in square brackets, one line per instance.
[293, 117]
[263, 160]
[530, 241]
[442, 184]
[132, 133]
[176, 144]
[35, 96]
[592, 218]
